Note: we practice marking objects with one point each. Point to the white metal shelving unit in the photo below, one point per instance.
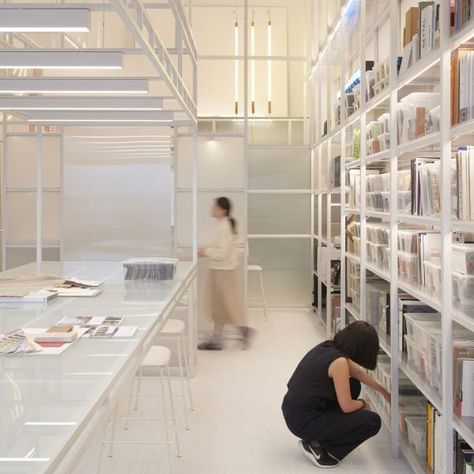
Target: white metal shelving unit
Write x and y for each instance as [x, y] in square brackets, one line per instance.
[345, 50]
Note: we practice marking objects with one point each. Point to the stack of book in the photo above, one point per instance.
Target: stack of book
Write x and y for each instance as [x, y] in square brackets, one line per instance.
[463, 185]
[461, 13]
[462, 84]
[425, 187]
[150, 268]
[421, 32]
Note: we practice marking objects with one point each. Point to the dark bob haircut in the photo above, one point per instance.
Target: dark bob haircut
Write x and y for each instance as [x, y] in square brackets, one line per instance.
[359, 342]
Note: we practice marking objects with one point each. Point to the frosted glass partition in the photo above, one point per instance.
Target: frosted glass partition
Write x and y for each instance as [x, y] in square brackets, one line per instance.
[17, 257]
[205, 222]
[117, 202]
[286, 267]
[21, 162]
[21, 218]
[220, 163]
[279, 213]
[279, 169]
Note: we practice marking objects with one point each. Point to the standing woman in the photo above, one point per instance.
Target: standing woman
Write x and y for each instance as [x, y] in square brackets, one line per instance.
[322, 406]
[226, 294]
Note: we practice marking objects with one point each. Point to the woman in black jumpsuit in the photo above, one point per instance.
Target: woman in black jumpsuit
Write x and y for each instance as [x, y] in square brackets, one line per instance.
[322, 407]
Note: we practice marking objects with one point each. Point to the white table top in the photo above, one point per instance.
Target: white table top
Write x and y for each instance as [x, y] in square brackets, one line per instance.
[45, 401]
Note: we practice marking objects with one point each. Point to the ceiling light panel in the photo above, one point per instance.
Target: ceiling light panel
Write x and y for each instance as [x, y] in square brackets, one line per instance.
[94, 117]
[73, 86]
[80, 103]
[55, 59]
[44, 20]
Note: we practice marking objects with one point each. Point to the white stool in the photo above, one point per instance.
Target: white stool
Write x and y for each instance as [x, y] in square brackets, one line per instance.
[261, 301]
[157, 357]
[175, 328]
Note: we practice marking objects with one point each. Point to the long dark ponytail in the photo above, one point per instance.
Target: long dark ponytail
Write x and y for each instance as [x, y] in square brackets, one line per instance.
[225, 204]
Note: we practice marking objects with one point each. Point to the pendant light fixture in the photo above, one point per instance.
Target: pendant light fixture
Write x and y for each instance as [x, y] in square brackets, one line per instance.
[269, 63]
[252, 62]
[236, 65]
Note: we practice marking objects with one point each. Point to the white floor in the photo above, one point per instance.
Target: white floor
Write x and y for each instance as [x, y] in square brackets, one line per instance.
[237, 426]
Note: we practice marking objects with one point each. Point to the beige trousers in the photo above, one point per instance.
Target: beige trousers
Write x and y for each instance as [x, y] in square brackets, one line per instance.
[226, 297]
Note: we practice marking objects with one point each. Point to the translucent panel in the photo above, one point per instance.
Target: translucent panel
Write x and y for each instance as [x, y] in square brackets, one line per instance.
[220, 163]
[268, 132]
[17, 257]
[279, 214]
[286, 267]
[297, 133]
[230, 126]
[205, 222]
[279, 169]
[204, 126]
[116, 207]
[21, 218]
[21, 162]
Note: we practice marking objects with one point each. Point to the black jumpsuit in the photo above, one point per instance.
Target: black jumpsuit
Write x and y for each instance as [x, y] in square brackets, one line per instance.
[311, 409]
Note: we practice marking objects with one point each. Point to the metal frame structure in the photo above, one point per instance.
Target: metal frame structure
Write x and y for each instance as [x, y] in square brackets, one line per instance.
[180, 100]
[336, 43]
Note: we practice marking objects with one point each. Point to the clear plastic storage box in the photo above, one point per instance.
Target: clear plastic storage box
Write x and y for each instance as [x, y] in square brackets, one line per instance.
[432, 276]
[463, 289]
[463, 258]
[417, 434]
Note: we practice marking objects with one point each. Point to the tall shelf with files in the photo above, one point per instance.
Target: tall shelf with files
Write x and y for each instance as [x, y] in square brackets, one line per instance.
[392, 87]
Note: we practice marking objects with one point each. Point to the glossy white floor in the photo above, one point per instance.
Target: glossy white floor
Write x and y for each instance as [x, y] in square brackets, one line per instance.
[237, 427]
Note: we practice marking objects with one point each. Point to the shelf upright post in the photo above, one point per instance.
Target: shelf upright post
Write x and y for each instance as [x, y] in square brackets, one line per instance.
[329, 243]
[4, 190]
[320, 233]
[446, 237]
[393, 265]
[246, 144]
[363, 169]
[342, 177]
[61, 195]
[39, 195]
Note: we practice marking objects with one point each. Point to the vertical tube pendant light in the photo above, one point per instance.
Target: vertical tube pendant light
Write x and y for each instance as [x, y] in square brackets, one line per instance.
[269, 63]
[236, 66]
[252, 69]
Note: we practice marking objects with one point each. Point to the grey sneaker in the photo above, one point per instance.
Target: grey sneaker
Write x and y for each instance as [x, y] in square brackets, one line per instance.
[248, 335]
[318, 455]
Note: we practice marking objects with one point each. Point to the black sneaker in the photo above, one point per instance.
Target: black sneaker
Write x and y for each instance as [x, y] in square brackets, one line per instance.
[317, 455]
[210, 346]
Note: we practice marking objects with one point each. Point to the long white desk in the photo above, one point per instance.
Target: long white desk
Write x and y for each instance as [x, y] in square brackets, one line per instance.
[50, 405]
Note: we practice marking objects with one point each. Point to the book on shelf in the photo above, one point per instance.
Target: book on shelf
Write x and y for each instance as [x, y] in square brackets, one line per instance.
[463, 455]
[465, 387]
[438, 445]
[430, 412]
[335, 173]
[461, 13]
[463, 199]
[425, 187]
[426, 27]
[462, 64]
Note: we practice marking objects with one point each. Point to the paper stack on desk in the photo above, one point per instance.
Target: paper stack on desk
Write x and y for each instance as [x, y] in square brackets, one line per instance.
[150, 268]
[17, 342]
